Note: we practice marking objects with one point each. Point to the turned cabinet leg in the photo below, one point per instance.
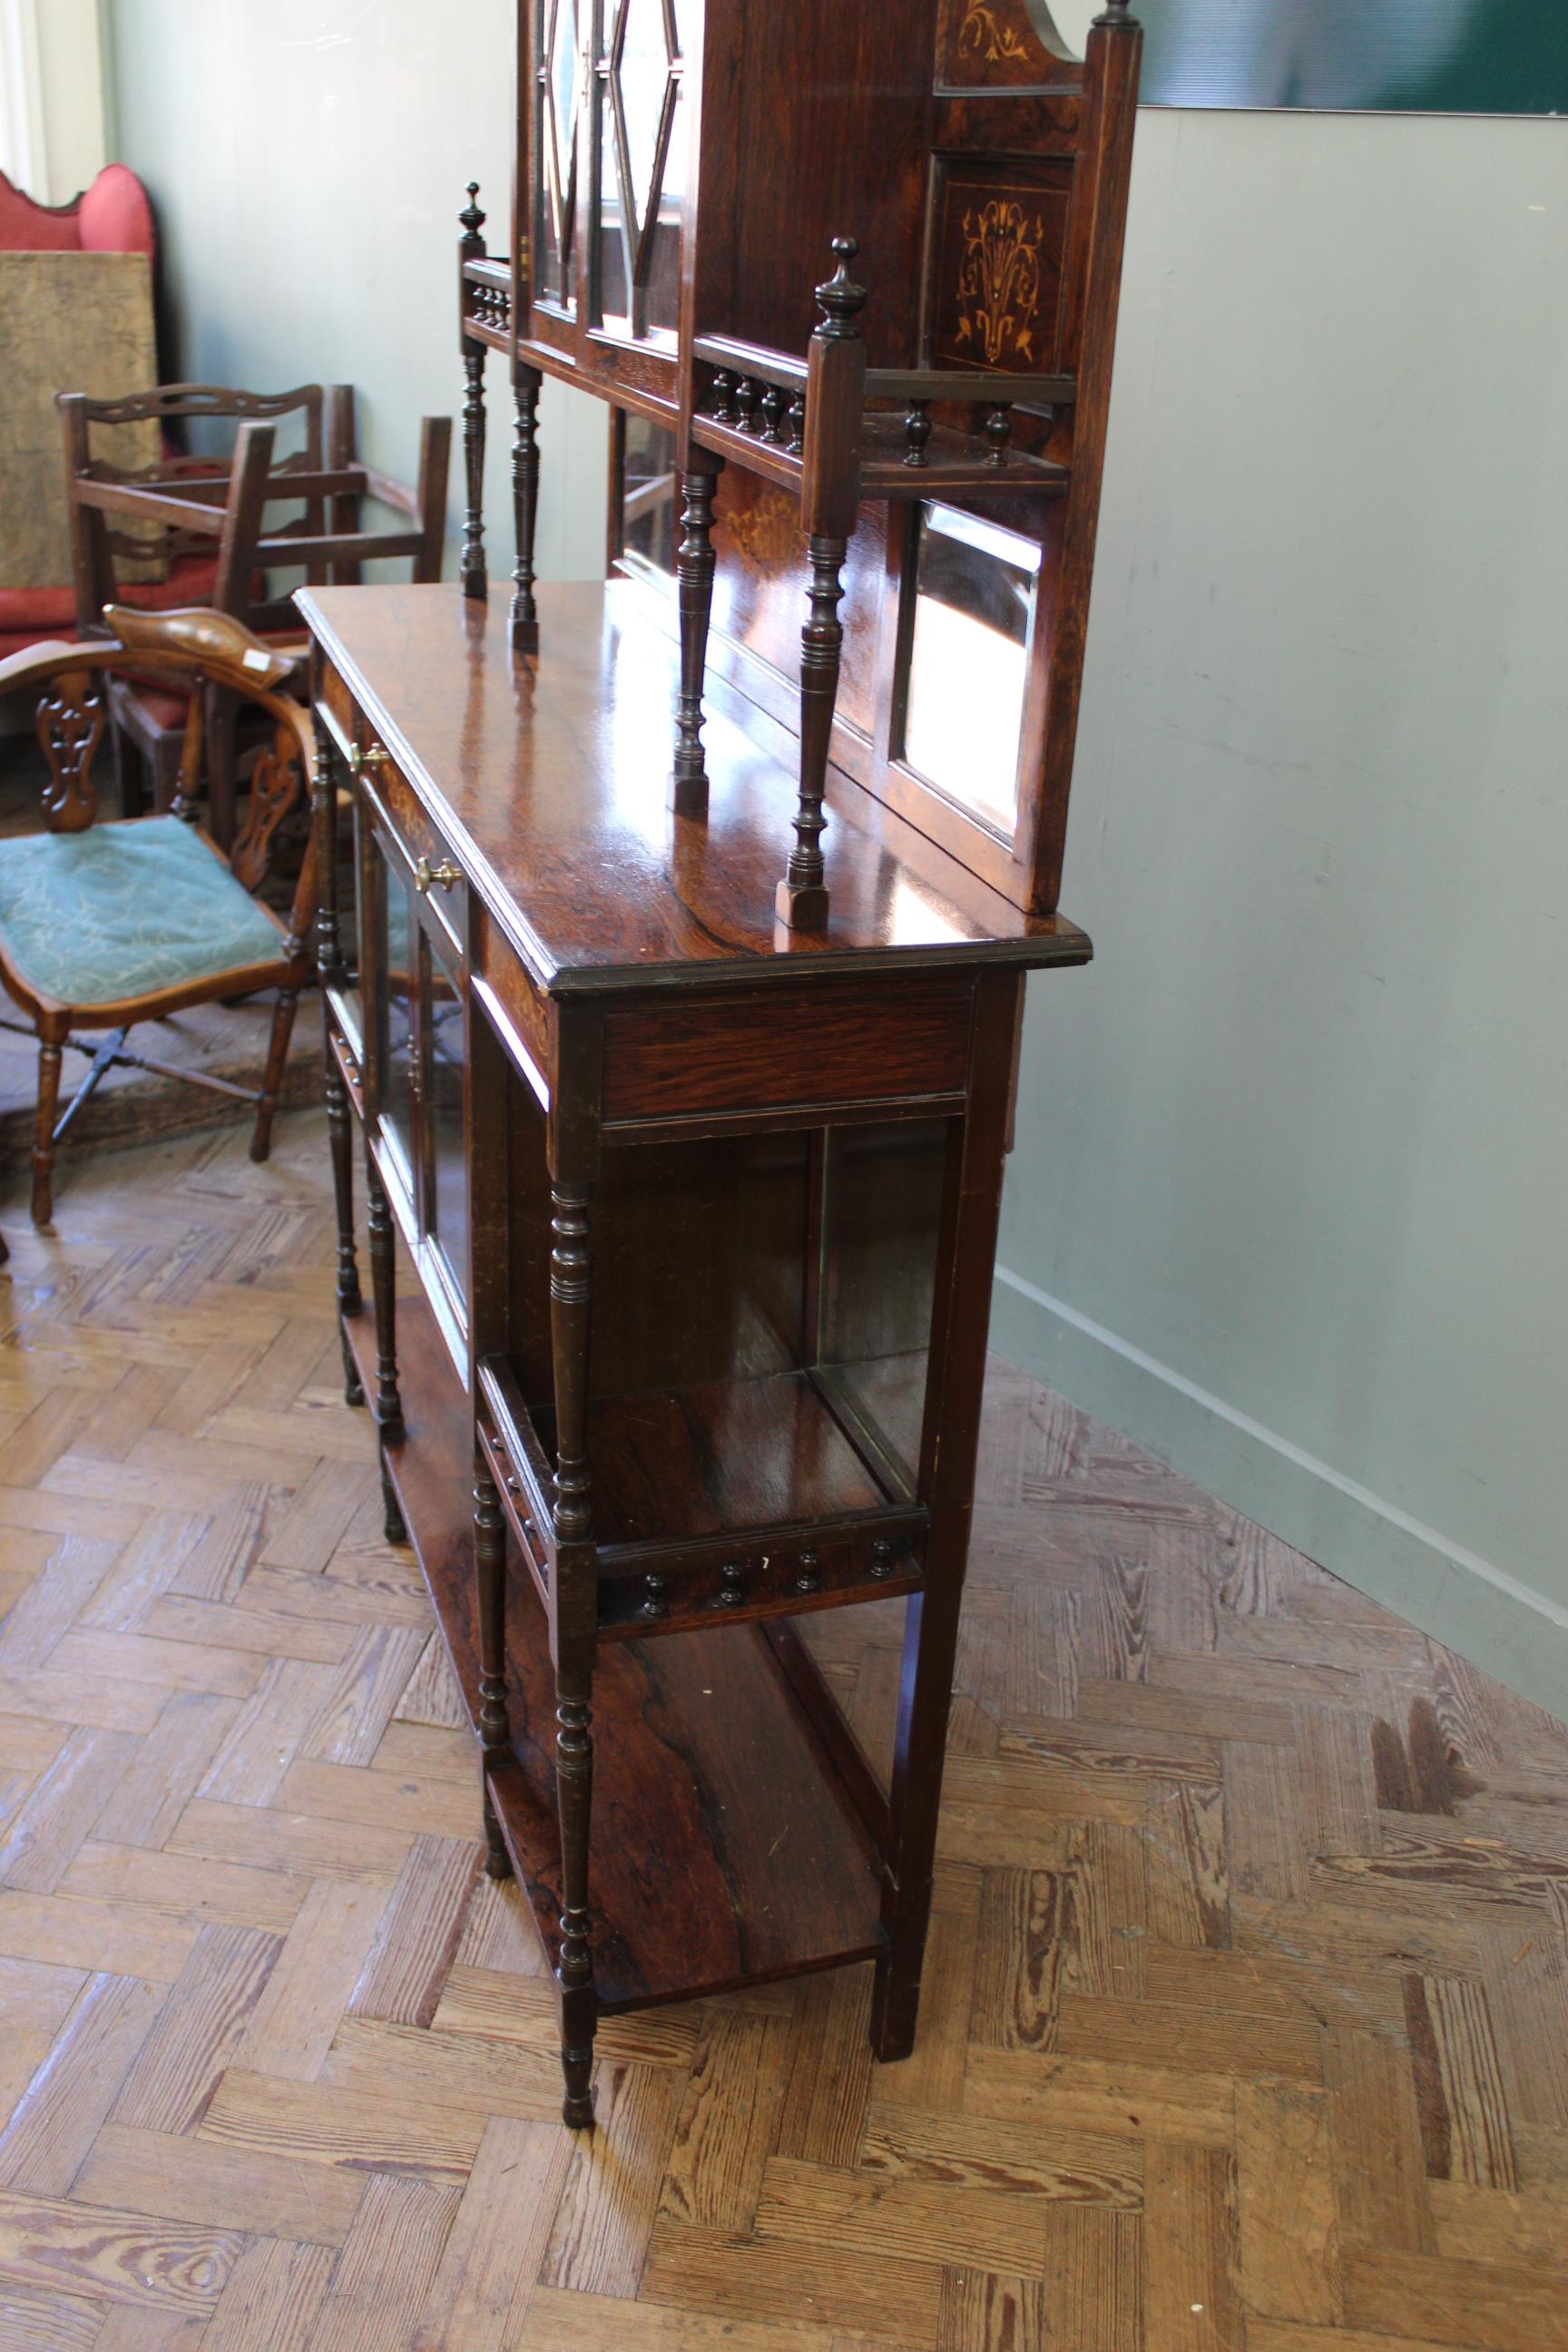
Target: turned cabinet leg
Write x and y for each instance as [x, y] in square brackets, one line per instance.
[570, 1290]
[392, 1525]
[384, 1291]
[475, 579]
[50, 1052]
[694, 572]
[495, 1734]
[802, 897]
[340, 1137]
[525, 511]
[573, 1797]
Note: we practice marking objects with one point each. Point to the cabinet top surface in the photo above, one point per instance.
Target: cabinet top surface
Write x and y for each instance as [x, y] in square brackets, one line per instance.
[548, 774]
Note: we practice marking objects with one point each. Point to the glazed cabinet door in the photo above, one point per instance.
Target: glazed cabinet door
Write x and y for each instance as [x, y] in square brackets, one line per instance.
[607, 141]
[418, 1066]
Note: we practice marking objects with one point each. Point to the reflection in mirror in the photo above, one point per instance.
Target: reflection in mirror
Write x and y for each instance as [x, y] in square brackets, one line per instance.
[647, 498]
[969, 657]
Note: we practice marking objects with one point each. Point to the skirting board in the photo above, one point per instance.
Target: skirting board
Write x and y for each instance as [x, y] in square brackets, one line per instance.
[1460, 1600]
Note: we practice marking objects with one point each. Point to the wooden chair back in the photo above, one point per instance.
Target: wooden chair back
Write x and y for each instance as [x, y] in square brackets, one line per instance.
[98, 548]
[327, 540]
[191, 650]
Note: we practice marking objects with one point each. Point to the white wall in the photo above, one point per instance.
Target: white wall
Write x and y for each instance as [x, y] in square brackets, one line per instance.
[52, 134]
[307, 161]
[1289, 1200]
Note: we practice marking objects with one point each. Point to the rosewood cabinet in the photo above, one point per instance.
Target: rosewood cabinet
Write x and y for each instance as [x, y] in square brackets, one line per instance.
[680, 1004]
[681, 1243]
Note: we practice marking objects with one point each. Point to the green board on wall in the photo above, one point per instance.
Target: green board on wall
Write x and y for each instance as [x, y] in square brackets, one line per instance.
[1424, 56]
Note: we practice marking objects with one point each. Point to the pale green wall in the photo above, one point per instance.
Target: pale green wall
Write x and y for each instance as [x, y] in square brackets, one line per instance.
[307, 161]
[1289, 1202]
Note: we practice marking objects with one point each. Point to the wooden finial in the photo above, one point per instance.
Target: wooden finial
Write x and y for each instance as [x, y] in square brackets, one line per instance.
[840, 299]
[1117, 16]
[471, 220]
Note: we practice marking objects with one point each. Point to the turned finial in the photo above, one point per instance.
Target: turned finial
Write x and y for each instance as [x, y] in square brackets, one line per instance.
[471, 217]
[1116, 15]
[840, 299]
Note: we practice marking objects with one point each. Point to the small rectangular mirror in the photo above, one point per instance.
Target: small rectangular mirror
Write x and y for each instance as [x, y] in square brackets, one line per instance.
[974, 585]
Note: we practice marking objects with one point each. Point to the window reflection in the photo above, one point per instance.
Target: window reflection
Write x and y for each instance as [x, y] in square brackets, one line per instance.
[975, 609]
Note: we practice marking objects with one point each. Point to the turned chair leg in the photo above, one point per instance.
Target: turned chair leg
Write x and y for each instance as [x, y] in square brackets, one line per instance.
[50, 1052]
[272, 1077]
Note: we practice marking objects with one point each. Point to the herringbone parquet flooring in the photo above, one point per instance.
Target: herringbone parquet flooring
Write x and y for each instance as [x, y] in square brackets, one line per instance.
[1246, 2024]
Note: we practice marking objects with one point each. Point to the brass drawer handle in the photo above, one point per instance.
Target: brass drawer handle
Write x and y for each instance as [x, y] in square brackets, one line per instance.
[425, 874]
[360, 759]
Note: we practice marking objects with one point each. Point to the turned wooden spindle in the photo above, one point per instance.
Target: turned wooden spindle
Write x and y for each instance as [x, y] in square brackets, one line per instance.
[999, 432]
[917, 432]
[773, 412]
[723, 396]
[694, 589]
[570, 1302]
[472, 248]
[795, 424]
[525, 509]
[490, 1579]
[829, 500]
[746, 404]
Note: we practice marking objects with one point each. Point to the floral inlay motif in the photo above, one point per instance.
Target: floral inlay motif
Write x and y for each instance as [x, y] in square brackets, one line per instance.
[999, 282]
[980, 35]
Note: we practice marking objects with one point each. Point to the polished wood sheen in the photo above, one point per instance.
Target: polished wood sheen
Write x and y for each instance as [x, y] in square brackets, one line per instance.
[544, 780]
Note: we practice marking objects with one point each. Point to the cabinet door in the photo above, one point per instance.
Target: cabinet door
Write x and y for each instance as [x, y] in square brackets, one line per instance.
[397, 959]
[638, 157]
[559, 57]
[444, 1204]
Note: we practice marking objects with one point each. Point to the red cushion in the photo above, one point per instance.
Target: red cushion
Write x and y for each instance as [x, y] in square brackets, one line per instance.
[114, 215]
[30, 614]
[27, 228]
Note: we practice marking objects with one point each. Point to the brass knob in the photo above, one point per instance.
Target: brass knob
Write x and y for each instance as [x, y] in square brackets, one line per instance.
[374, 758]
[425, 874]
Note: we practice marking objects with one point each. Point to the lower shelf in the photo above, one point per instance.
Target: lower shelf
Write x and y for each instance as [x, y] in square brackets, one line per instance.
[724, 1851]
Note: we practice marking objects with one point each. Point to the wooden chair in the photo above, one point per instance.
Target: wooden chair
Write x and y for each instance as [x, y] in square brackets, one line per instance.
[223, 508]
[106, 925]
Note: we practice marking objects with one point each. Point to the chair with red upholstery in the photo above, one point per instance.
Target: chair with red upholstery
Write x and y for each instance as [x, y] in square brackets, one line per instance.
[224, 509]
[111, 216]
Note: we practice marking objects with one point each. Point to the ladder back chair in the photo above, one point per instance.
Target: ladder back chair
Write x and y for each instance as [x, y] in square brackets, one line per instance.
[107, 924]
[221, 508]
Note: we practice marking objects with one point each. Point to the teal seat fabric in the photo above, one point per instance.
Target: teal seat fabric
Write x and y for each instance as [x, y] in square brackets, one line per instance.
[125, 910]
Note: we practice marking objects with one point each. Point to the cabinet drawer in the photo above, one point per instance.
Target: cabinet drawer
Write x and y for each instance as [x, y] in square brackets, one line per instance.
[436, 875]
[818, 1048]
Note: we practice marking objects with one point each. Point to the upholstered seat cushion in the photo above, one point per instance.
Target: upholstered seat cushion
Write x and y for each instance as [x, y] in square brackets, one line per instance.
[125, 910]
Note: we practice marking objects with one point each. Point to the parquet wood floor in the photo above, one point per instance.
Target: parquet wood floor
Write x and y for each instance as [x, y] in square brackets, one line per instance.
[1246, 2021]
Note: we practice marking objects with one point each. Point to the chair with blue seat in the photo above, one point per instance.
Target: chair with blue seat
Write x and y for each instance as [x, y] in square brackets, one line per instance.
[105, 925]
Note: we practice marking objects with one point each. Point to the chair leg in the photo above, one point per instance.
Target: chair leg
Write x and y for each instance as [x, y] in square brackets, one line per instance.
[272, 1080]
[50, 1053]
